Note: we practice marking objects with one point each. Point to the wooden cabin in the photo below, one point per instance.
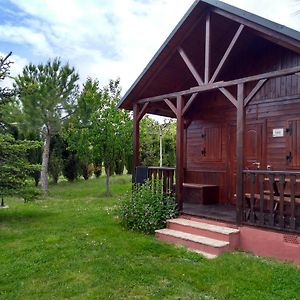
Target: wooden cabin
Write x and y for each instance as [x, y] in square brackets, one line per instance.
[231, 79]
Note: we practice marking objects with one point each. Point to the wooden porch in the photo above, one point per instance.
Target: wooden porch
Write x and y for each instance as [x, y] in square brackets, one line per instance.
[271, 198]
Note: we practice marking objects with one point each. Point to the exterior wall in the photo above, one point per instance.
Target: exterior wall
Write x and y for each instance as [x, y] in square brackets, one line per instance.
[277, 105]
[263, 242]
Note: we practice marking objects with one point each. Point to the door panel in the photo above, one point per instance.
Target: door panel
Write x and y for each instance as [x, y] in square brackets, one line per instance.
[253, 152]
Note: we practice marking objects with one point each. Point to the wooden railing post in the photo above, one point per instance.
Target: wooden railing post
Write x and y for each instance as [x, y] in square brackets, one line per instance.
[240, 153]
[136, 140]
[179, 153]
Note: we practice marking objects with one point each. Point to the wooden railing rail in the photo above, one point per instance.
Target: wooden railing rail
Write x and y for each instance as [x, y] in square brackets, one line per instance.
[166, 175]
[272, 199]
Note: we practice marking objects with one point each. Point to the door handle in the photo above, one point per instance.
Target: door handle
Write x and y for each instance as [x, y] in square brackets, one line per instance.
[289, 157]
[257, 164]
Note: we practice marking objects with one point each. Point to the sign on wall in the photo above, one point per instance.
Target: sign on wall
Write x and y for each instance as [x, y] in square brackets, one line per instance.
[278, 132]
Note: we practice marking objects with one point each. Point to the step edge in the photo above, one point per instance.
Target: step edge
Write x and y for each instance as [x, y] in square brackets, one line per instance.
[194, 238]
[209, 227]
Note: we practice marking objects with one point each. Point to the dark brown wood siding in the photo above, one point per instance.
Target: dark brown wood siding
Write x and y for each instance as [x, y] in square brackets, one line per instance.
[210, 140]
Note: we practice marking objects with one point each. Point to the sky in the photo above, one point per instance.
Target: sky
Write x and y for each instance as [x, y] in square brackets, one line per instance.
[105, 39]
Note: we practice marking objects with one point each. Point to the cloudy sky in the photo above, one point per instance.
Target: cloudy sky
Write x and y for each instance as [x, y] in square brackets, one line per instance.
[105, 38]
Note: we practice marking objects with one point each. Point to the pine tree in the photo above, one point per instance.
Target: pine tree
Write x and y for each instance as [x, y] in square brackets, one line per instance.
[14, 166]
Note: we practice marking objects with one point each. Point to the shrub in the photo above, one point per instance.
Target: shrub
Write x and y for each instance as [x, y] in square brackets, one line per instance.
[98, 170]
[146, 208]
[119, 166]
[55, 166]
[87, 170]
[71, 166]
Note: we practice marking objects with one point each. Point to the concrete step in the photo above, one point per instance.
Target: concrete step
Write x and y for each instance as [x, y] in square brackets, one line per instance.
[193, 241]
[201, 228]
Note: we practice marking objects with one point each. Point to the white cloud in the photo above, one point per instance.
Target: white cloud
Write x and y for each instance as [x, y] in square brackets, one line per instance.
[110, 38]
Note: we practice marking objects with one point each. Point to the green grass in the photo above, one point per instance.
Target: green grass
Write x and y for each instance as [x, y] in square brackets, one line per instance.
[71, 246]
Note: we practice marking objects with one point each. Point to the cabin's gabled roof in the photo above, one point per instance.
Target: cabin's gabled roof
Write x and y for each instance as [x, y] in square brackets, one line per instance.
[276, 33]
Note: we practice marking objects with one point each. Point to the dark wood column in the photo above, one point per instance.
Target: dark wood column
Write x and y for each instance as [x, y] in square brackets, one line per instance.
[179, 153]
[136, 139]
[240, 152]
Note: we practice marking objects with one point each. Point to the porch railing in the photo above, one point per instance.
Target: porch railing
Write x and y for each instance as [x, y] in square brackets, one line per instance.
[272, 199]
[166, 175]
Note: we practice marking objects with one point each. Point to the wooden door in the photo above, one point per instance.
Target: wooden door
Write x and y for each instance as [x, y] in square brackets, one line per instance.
[253, 146]
[254, 149]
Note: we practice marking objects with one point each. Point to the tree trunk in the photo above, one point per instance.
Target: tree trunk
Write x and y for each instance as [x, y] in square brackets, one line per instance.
[45, 161]
[107, 171]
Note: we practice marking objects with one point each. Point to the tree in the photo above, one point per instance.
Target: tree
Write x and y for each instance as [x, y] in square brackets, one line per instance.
[5, 93]
[78, 128]
[111, 130]
[47, 94]
[57, 147]
[14, 165]
[150, 144]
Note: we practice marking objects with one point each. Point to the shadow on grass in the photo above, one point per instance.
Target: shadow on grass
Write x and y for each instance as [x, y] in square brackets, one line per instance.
[11, 217]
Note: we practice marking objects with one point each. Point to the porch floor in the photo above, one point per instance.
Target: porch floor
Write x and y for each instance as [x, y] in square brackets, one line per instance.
[220, 212]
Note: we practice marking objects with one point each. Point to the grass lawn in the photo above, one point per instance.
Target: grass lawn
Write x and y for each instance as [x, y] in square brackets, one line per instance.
[72, 247]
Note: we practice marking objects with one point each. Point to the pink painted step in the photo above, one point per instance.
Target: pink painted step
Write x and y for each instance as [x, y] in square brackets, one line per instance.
[205, 229]
[205, 237]
[192, 241]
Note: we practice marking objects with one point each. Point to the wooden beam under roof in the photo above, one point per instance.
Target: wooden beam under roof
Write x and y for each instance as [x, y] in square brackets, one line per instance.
[220, 84]
[207, 48]
[190, 66]
[227, 52]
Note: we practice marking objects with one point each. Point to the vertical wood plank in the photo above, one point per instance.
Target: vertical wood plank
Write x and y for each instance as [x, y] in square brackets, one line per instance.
[179, 153]
[293, 207]
[136, 140]
[281, 204]
[261, 199]
[272, 192]
[240, 152]
[252, 200]
[207, 49]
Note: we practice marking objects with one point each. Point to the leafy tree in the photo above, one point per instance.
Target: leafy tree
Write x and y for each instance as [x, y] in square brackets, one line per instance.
[47, 93]
[78, 127]
[111, 130]
[149, 142]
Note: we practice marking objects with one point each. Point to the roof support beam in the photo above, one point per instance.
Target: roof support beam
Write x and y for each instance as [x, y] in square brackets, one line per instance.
[258, 86]
[240, 137]
[207, 49]
[142, 111]
[190, 66]
[189, 103]
[220, 84]
[227, 52]
[171, 106]
[229, 96]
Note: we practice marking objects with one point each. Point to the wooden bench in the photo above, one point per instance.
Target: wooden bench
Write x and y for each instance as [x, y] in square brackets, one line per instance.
[204, 193]
[267, 197]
